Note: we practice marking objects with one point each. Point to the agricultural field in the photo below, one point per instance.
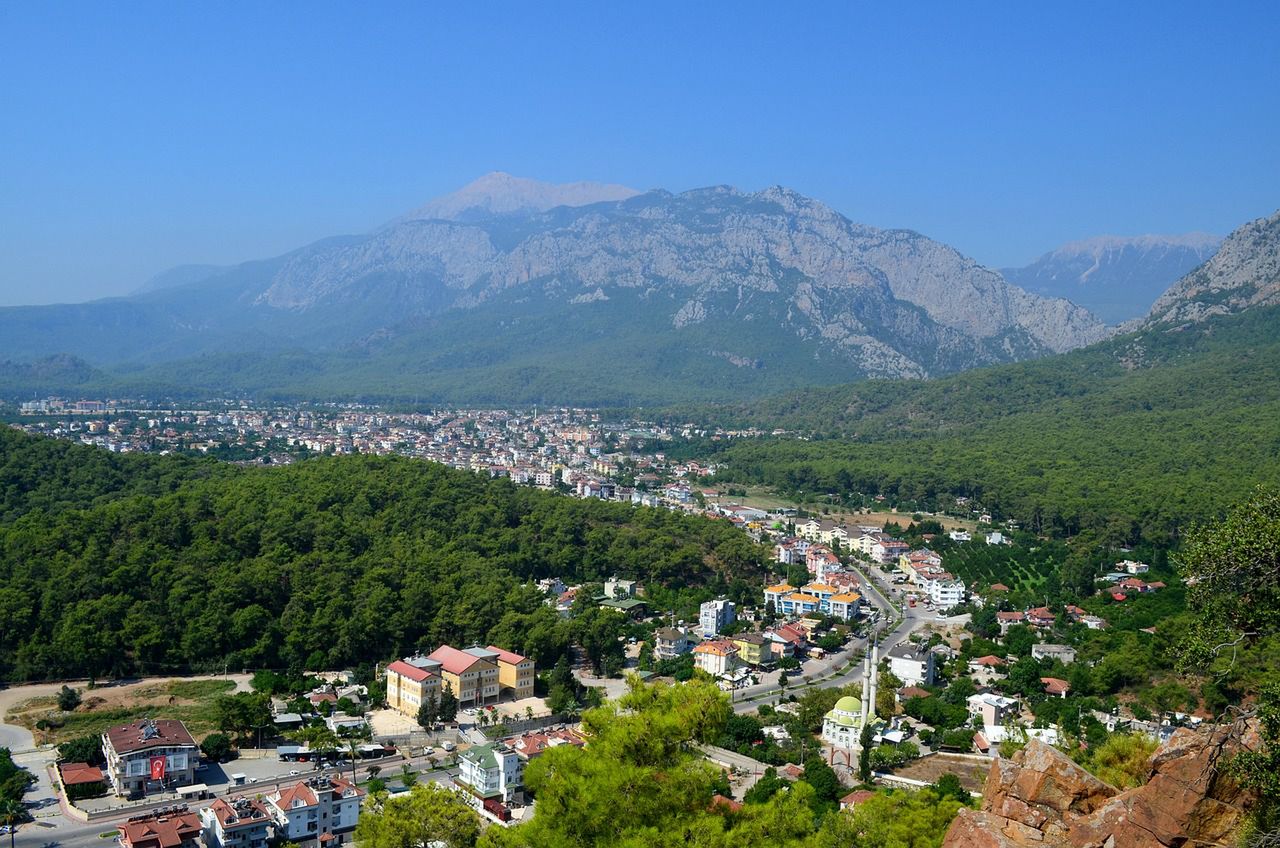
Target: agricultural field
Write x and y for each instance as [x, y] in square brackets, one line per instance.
[1021, 569]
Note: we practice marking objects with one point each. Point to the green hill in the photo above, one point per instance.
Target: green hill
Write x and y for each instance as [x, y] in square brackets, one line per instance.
[1133, 437]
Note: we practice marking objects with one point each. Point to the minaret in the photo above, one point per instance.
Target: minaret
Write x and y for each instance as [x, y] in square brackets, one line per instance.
[866, 689]
[875, 679]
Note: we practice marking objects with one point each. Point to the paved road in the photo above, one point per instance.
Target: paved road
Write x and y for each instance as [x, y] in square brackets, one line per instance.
[839, 670]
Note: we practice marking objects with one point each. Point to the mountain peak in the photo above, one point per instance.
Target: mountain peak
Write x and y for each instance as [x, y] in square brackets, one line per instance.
[500, 193]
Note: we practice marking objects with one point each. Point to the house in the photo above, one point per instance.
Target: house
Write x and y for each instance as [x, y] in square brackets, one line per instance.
[342, 724]
[993, 709]
[960, 536]
[412, 682]
[913, 665]
[787, 641]
[81, 780]
[1055, 687]
[1041, 617]
[616, 589]
[1046, 651]
[886, 550]
[515, 673]
[998, 587]
[490, 773]
[531, 745]
[471, 674]
[1008, 619]
[236, 823]
[717, 657]
[163, 828]
[989, 663]
[714, 616]
[151, 755]
[996, 538]
[753, 649]
[321, 809]
[669, 643]
[1131, 567]
[855, 798]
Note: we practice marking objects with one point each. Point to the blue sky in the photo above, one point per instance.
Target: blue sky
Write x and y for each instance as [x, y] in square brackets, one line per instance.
[139, 136]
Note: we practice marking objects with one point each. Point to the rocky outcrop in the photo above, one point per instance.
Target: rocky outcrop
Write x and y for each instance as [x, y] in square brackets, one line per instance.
[1244, 273]
[1041, 798]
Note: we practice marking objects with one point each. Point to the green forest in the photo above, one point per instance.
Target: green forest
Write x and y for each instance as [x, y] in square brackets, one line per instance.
[123, 564]
[1132, 438]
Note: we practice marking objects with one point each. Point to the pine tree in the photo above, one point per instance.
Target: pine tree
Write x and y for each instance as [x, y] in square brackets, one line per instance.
[448, 708]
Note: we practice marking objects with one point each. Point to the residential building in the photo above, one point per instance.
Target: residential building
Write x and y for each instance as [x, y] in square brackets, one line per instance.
[960, 536]
[411, 683]
[515, 673]
[236, 823]
[151, 755]
[322, 809]
[531, 745]
[1132, 567]
[714, 616]
[717, 657]
[1046, 651]
[1055, 687]
[994, 710]
[471, 674]
[669, 643]
[912, 664]
[163, 828]
[490, 772]
[753, 649]
[617, 589]
[845, 605]
[1007, 619]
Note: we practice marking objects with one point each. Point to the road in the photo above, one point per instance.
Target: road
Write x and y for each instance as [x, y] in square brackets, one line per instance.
[839, 669]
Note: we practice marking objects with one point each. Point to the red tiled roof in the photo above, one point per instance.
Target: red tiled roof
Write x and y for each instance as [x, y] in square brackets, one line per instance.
[990, 661]
[74, 774]
[128, 737]
[506, 656]
[166, 831]
[453, 660]
[1055, 686]
[412, 672]
[856, 797]
[230, 818]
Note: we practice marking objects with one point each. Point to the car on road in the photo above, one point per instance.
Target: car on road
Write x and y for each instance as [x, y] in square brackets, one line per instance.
[294, 772]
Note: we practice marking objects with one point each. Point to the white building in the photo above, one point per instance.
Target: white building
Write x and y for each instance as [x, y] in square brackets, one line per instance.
[490, 772]
[314, 809]
[149, 756]
[714, 616]
[236, 823]
[912, 665]
[718, 657]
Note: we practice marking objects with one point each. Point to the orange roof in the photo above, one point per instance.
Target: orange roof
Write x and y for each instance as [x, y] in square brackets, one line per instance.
[847, 597]
[720, 647]
[803, 598]
[412, 672]
[780, 588]
[77, 773]
[819, 587]
[453, 660]
[167, 831]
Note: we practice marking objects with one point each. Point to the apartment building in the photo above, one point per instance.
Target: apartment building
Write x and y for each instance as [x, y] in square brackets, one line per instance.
[152, 755]
[174, 827]
[320, 810]
[236, 823]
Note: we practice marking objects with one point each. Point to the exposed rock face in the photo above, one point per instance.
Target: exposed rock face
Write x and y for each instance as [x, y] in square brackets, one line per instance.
[891, 302]
[1041, 798]
[1244, 273]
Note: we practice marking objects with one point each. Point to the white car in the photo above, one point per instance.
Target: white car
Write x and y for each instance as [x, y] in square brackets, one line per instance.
[294, 772]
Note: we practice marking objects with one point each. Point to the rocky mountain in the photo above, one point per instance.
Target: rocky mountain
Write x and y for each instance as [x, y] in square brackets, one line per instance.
[1115, 277]
[568, 293]
[1244, 273]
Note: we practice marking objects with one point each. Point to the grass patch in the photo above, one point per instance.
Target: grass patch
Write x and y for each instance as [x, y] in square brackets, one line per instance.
[188, 701]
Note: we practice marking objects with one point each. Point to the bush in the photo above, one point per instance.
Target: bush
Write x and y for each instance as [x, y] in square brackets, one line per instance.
[68, 698]
[216, 747]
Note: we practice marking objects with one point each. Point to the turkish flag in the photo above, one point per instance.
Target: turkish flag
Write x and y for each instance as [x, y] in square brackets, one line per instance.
[157, 768]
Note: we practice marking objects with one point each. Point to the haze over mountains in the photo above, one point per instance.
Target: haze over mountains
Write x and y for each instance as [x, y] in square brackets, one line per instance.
[511, 290]
[1116, 278]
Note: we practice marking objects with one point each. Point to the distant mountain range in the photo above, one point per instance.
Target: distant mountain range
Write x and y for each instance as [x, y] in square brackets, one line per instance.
[1136, 436]
[1116, 278]
[515, 291]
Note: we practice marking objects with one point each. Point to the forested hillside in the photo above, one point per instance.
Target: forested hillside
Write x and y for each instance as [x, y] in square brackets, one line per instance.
[1133, 437]
[124, 564]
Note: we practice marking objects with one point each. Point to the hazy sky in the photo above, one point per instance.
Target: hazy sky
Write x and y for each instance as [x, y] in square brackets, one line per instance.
[134, 137]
